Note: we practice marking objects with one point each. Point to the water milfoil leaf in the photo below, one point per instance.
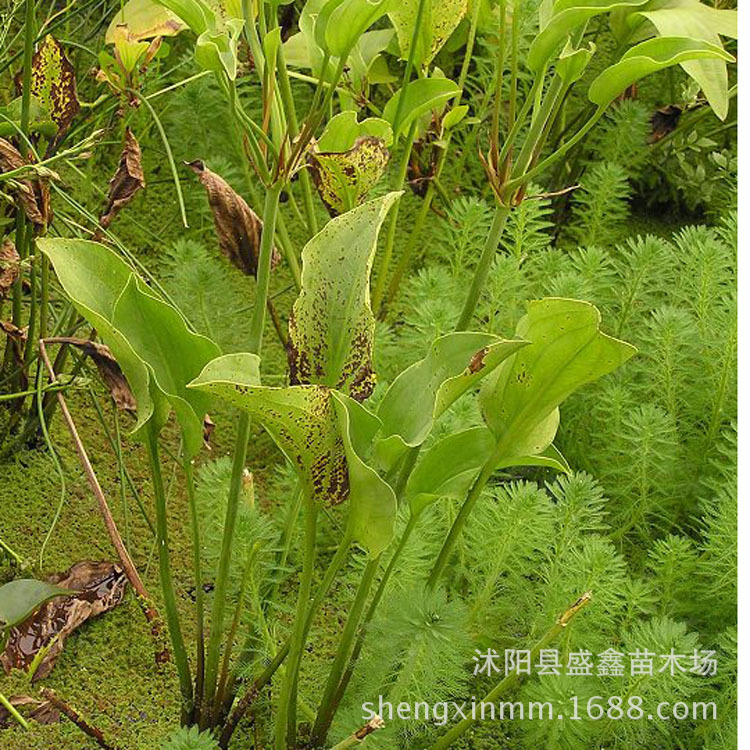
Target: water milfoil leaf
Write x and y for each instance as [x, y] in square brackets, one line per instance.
[332, 326]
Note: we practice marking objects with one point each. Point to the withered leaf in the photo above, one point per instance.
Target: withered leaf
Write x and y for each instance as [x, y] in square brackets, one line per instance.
[344, 179]
[32, 197]
[12, 331]
[100, 586]
[127, 180]
[208, 429]
[40, 711]
[109, 371]
[238, 227]
[53, 82]
[9, 268]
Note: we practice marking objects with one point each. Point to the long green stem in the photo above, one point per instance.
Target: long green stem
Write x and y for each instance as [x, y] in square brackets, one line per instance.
[165, 573]
[371, 609]
[270, 212]
[200, 646]
[397, 183]
[285, 733]
[483, 267]
[416, 231]
[328, 704]
[13, 712]
[512, 679]
[458, 524]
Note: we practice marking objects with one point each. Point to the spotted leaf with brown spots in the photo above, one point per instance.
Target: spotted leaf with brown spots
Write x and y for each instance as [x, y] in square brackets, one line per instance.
[344, 179]
[53, 82]
[300, 419]
[332, 326]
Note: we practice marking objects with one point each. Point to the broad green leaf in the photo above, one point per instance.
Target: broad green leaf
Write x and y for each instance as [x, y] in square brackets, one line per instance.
[694, 20]
[173, 354]
[455, 116]
[19, 599]
[53, 83]
[195, 13]
[331, 327]
[372, 502]
[39, 119]
[449, 467]
[646, 58]
[343, 130]
[520, 399]
[568, 15]
[144, 19]
[422, 392]
[93, 276]
[440, 19]
[348, 20]
[216, 50]
[420, 97]
[300, 419]
[366, 53]
[572, 63]
[149, 339]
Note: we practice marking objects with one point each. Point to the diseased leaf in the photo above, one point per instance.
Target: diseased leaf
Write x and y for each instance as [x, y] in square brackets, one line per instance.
[520, 399]
[440, 19]
[21, 598]
[646, 58]
[300, 419]
[127, 180]
[10, 268]
[53, 82]
[109, 371]
[238, 227]
[90, 588]
[331, 327]
[144, 19]
[422, 392]
[344, 179]
[372, 502]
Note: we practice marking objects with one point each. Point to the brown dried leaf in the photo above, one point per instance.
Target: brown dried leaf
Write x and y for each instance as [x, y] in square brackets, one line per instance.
[42, 712]
[10, 268]
[127, 180]
[33, 197]
[238, 227]
[208, 429]
[53, 82]
[664, 121]
[100, 587]
[109, 371]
